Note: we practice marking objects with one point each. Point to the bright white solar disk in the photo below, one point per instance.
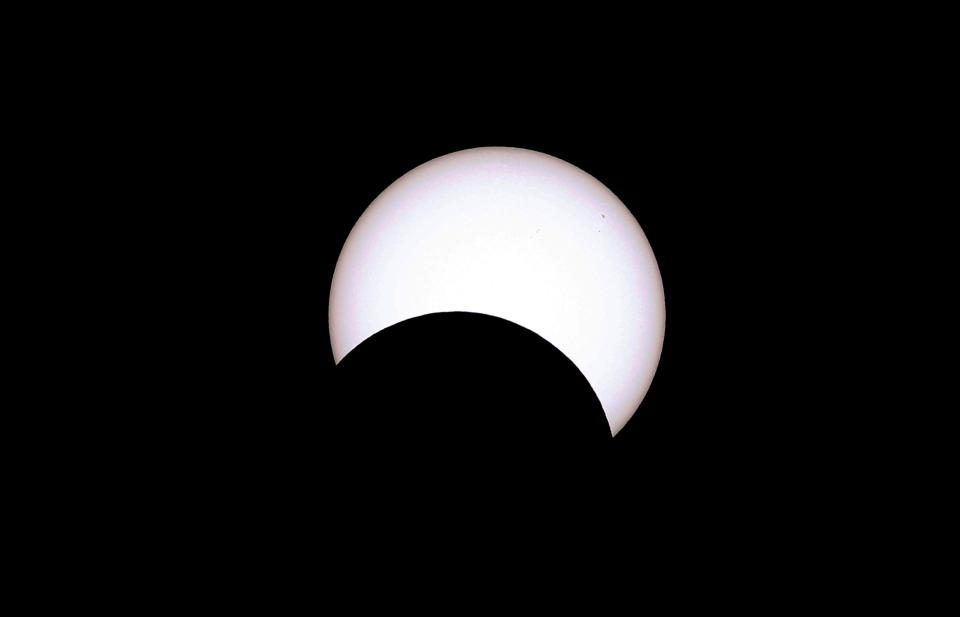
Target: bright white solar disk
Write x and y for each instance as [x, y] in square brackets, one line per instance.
[519, 235]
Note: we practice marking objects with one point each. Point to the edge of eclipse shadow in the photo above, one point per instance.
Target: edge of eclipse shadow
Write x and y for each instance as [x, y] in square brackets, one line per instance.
[380, 333]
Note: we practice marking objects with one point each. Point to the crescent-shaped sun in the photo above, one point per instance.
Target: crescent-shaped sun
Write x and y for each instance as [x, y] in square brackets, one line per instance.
[519, 235]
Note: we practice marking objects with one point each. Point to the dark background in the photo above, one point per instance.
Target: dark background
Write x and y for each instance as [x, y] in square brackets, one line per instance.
[712, 186]
[224, 177]
[233, 178]
[259, 186]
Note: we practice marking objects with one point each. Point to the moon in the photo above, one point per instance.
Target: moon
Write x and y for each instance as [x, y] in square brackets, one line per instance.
[514, 234]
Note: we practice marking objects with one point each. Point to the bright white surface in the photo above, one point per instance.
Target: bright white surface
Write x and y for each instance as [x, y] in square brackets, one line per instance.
[519, 235]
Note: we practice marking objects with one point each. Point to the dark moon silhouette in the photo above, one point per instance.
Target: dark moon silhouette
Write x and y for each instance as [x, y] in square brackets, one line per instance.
[459, 392]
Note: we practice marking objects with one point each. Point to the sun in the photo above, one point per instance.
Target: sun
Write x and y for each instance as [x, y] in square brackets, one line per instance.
[514, 234]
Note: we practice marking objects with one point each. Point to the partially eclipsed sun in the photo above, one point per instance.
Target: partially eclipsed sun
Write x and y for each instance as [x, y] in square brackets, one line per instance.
[519, 235]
